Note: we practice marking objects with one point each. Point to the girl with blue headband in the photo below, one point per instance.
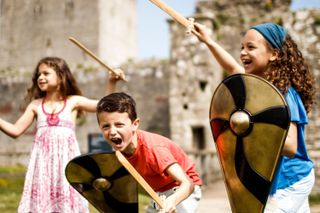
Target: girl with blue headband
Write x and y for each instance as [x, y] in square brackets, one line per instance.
[269, 52]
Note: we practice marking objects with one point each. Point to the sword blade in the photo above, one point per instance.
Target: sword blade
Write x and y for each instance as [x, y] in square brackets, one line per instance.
[175, 15]
[139, 179]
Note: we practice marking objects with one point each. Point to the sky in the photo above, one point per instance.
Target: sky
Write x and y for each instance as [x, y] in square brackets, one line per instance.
[153, 32]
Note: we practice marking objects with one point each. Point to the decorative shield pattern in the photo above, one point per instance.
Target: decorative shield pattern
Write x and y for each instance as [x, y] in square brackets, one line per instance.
[104, 182]
[249, 120]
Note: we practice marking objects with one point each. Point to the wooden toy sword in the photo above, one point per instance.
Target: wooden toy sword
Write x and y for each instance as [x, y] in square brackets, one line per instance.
[188, 23]
[86, 50]
[140, 179]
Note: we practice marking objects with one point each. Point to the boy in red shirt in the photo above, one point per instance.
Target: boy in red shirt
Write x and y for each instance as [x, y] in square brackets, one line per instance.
[160, 161]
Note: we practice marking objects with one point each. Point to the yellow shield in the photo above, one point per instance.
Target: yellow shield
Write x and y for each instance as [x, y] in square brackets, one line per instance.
[249, 120]
[104, 182]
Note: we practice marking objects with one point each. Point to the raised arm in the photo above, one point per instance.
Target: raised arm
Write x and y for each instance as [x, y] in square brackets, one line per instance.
[113, 79]
[21, 125]
[89, 105]
[226, 61]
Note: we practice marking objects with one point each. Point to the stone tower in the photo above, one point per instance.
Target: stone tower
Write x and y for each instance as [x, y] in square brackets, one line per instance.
[32, 29]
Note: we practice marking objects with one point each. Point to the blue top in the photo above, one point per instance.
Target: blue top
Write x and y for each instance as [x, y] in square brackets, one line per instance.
[291, 170]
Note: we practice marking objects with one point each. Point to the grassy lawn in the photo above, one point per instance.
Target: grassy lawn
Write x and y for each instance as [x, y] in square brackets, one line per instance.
[314, 199]
[11, 185]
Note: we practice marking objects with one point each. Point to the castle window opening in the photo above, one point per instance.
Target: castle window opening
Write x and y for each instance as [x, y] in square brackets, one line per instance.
[202, 85]
[198, 141]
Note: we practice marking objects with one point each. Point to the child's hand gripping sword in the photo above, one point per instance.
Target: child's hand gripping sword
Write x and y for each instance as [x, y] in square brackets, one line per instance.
[188, 23]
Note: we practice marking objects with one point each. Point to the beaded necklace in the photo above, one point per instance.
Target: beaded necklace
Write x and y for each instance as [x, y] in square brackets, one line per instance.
[53, 118]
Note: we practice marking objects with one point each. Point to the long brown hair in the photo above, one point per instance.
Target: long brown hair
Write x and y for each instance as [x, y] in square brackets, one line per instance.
[68, 85]
[290, 69]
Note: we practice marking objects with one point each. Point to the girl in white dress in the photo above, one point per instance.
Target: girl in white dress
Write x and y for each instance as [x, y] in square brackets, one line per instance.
[56, 102]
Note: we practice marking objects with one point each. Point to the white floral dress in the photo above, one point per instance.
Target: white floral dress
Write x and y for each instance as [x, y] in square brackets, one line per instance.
[46, 188]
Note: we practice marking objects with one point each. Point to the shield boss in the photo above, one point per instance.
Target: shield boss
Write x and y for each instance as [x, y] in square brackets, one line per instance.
[104, 182]
[249, 120]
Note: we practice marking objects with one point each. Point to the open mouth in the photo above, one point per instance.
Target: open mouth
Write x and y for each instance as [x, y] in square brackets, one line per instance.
[116, 141]
[41, 84]
[246, 62]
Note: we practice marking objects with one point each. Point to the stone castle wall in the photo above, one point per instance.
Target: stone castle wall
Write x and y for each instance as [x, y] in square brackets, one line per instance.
[32, 29]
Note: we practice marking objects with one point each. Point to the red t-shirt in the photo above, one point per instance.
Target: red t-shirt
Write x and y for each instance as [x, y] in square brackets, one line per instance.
[154, 154]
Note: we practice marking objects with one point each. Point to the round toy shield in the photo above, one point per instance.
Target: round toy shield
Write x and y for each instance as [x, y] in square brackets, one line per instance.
[249, 120]
[104, 182]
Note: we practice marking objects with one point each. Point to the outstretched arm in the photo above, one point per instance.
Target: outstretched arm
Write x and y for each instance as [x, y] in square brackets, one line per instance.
[22, 124]
[226, 61]
[89, 105]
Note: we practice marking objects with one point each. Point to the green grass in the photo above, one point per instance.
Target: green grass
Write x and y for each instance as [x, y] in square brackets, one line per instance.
[19, 169]
[144, 200]
[10, 194]
[11, 186]
[314, 199]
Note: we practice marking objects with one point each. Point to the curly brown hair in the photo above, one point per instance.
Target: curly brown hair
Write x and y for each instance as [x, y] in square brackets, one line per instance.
[291, 70]
[68, 84]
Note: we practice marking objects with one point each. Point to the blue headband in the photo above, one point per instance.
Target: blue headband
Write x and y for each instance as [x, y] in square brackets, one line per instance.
[273, 33]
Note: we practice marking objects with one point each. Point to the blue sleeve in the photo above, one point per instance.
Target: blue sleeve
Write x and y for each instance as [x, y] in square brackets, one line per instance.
[297, 111]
